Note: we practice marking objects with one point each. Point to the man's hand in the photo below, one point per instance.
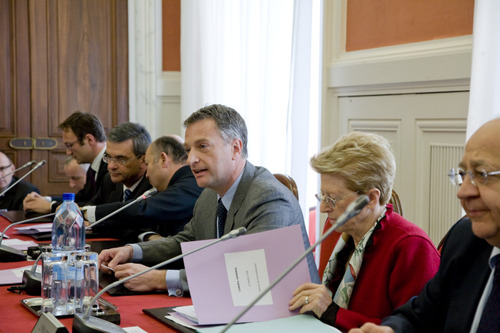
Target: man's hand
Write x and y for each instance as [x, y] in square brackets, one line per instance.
[36, 203]
[154, 280]
[372, 328]
[118, 255]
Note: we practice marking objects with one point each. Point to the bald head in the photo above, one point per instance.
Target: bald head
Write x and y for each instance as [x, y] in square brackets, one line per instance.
[481, 199]
[6, 167]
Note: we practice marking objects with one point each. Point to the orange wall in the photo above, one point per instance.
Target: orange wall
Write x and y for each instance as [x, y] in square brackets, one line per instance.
[171, 13]
[376, 23]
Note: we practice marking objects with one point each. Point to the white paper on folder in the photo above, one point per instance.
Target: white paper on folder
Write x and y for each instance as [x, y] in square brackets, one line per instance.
[248, 277]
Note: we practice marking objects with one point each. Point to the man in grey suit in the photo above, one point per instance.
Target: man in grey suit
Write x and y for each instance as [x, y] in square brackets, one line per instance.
[216, 144]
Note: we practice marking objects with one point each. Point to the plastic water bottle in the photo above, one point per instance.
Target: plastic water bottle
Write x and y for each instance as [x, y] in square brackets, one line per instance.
[68, 229]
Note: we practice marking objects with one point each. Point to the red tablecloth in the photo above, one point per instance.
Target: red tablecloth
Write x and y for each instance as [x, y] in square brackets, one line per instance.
[14, 317]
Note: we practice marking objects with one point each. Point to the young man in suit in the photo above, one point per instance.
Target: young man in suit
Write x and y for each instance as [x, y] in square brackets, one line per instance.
[13, 198]
[216, 144]
[464, 295]
[171, 208]
[85, 140]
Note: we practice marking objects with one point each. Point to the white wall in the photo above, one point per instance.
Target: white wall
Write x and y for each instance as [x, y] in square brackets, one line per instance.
[416, 95]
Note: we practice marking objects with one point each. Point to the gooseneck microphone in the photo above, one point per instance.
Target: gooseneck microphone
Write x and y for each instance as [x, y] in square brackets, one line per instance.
[352, 210]
[86, 323]
[8, 253]
[144, 196]
[25, 175]
[30, 163]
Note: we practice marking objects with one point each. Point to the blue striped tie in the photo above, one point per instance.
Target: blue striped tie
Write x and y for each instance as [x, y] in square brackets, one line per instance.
[127, 195]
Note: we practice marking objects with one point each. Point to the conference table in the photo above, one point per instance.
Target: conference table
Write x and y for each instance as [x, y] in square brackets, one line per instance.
[15, 317]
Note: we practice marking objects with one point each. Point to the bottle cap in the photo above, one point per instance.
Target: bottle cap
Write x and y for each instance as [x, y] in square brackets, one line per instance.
[69, 196]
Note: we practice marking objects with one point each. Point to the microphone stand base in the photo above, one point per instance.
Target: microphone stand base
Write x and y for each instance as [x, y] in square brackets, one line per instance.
[93, 324]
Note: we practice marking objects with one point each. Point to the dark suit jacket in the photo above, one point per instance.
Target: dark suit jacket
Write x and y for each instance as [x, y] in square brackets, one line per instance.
[260, 203]
[165, 212]
[88, 191]
[449, 300]
[13, 198]
[110, 192]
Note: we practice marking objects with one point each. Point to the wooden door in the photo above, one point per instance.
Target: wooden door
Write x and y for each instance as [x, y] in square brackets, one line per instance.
[60, 57]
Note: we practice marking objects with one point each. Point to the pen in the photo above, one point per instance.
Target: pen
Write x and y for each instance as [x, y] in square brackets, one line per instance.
[111, 269]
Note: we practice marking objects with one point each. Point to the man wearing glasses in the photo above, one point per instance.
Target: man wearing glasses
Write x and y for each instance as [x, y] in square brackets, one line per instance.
[124, 156]
[464, 295]
[85, 140]
[13, 198]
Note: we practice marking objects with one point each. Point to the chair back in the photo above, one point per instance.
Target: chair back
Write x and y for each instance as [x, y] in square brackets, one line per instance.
[289, 183]
[396, 203]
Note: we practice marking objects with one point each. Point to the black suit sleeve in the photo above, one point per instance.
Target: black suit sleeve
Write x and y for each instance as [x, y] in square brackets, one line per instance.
[448, 302]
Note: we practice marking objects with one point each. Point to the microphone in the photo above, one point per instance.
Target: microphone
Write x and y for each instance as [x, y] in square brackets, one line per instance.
[25, 175]
[86, 323]
[30, 163]
[144, 196]
[352, 210]
[8, 253]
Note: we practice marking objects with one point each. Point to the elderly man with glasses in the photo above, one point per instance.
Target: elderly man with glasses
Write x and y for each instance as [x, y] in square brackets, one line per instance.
[12, 199]
[464, 295]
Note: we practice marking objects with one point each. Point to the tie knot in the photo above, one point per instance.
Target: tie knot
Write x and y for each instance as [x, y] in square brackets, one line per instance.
[127, 195]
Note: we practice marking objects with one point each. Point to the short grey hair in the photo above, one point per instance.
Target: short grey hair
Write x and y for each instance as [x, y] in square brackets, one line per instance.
[138, 133]
[229, 122]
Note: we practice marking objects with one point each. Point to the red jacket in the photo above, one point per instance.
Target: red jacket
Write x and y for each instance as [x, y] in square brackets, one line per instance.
[397, 265]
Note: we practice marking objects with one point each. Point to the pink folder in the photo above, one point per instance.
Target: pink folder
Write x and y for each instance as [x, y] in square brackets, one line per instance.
[209, 277]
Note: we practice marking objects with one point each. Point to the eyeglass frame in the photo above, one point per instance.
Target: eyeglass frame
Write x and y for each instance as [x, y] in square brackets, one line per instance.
[70, 145]
[5, 167]
[454, 174]
[320, 197]
[120, 160]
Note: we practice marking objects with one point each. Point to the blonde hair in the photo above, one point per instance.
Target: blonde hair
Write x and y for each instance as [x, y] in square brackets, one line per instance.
[363, 160]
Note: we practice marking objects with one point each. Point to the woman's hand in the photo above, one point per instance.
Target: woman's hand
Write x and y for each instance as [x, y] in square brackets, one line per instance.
[311, 297]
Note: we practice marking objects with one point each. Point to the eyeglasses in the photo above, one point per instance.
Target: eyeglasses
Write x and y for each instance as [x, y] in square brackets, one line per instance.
[70, 145]
[476, 177]
[119, 160]
[5, 167]
[330, 201]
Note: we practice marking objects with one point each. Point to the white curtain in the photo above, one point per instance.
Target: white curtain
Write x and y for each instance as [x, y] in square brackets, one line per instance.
[254, 56]
[484, 103]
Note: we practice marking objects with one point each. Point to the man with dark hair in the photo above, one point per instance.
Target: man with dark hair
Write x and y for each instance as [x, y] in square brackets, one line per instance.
[166, 212]
[85, 140]
[13, 198]
[237, 194]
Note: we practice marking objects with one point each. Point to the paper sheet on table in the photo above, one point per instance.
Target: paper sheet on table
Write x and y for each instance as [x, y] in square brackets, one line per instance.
[19, 244]
[224, 278]
[15, 275]
[34, 228]
[301, 323]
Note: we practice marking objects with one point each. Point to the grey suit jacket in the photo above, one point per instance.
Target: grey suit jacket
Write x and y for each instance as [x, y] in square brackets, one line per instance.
[260, 203]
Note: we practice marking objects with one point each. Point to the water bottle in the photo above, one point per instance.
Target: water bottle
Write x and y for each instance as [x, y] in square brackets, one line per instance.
[68, 229]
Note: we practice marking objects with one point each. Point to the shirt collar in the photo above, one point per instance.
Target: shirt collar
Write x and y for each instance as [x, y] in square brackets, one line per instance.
[494, 256]
[96, 163]
[227, 199]
[133, 187]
